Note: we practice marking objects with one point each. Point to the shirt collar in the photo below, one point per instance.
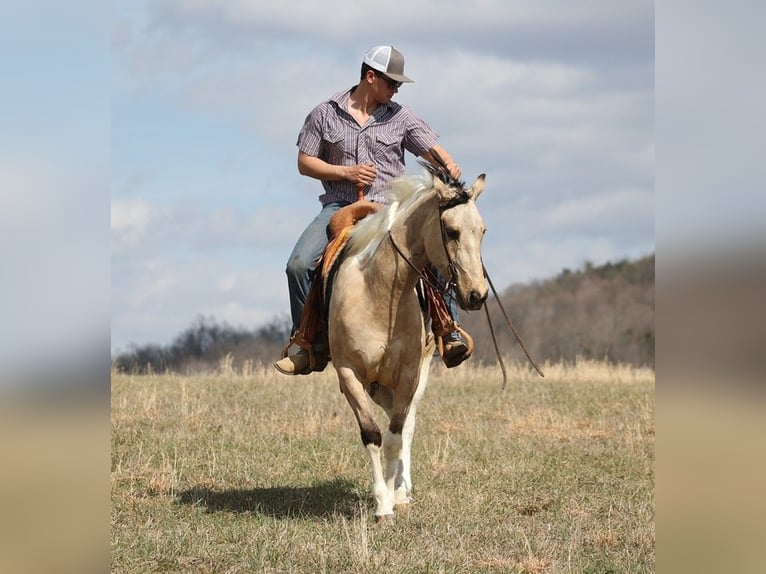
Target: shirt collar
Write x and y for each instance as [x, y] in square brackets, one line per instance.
[341, 99]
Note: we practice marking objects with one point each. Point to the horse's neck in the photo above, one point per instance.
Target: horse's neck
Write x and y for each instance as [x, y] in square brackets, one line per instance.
[406, 247]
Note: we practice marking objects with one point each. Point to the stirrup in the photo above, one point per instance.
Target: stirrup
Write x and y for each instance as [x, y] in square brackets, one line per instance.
[455, 361]
[315, 363]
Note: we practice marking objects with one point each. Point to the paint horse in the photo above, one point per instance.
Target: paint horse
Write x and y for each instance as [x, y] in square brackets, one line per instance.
[378, 333]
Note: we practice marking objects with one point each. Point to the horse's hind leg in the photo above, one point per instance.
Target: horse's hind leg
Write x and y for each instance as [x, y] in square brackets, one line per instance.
[371, 439]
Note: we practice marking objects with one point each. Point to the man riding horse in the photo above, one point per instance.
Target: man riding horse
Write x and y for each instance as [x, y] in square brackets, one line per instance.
[356, 139]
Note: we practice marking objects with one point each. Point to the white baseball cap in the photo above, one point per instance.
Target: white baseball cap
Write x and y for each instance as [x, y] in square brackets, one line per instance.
[387, 60]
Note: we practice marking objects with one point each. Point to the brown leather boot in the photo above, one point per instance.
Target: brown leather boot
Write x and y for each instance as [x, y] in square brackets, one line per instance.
[455, 350]
[295, 364]
[299, 363]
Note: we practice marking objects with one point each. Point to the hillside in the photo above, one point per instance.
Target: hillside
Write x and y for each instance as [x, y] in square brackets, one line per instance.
[599, 312]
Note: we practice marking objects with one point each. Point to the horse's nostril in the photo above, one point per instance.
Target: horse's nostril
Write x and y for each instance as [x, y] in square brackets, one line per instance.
[475, 299]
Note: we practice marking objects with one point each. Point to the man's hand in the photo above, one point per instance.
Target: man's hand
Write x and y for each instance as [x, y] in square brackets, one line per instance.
[440, 158]
[362, 174]
[454, 170]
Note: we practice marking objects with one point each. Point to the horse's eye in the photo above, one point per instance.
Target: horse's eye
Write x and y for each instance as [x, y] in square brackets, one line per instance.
[452, 234]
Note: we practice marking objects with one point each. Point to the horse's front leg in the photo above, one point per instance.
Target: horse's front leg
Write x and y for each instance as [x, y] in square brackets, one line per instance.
[392, 449]
[371, 439]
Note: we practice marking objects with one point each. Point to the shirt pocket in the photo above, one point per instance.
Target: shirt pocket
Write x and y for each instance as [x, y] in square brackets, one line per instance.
[334, 144]
[389, 145]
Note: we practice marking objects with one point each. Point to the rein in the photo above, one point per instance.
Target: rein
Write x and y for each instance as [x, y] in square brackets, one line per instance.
[510, 325]
[443, 289]
[450, 263]
[423, 276]
[442, 322]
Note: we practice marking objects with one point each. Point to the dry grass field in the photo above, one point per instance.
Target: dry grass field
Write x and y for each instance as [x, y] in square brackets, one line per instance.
[243, 472]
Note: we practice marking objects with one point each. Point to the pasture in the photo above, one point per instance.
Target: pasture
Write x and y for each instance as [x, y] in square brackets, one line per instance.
[243, 472]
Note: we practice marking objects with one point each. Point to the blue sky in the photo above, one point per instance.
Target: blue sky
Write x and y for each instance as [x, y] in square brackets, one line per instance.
[554, 101]
[54, 173]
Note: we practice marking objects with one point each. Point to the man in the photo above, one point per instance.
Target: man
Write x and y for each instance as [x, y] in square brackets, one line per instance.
[357, 138]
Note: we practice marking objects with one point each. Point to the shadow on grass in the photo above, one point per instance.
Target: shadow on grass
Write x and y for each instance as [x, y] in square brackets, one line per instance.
[337, 496]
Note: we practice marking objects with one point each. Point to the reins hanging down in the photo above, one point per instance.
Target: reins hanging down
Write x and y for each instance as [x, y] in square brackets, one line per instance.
[513, 330]
[448, 177]
[437, 287]
[442, 322]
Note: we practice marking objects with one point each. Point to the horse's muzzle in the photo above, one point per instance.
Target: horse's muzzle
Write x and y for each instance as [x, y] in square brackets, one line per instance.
[474, 300]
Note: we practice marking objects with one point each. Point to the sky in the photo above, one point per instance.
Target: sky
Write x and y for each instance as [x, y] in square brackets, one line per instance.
[554, 101]
[54, 182]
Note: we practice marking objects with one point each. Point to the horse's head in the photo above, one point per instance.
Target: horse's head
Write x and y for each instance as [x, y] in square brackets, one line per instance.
[456, 250]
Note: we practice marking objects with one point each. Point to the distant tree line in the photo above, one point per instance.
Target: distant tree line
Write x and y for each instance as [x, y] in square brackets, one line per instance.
[203, 345]
[601, 312]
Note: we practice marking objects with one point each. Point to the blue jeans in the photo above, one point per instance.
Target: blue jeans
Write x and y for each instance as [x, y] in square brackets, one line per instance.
[303, 261]
[449, 299]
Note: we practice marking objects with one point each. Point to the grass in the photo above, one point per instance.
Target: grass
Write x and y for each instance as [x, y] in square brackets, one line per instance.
[257, 472]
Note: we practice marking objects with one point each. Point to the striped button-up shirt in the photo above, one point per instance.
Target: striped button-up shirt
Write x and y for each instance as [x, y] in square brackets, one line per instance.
[332, 134]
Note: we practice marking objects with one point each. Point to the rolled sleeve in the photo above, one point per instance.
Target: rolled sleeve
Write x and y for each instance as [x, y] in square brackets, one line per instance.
[419, 138]
[310, 136]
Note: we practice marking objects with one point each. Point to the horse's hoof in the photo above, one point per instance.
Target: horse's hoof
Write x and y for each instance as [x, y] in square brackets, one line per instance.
[384, 518]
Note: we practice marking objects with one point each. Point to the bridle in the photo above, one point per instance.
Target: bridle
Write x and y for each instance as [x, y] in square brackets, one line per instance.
[460, 198]
[452, 266]
[432, 295]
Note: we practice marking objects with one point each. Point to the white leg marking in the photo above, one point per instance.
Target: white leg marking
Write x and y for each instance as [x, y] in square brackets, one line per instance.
[392, 448]
[403, 486]
[384, 503]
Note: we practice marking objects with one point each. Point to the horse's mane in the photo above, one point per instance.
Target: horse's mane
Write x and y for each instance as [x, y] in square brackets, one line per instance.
[369, 232]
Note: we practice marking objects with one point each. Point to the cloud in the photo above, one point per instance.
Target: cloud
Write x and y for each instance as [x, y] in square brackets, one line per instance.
[611, 213]
[141, 228]
[154, 286]
[240, 23]
[155, 298]
[173, 262]
[130, 221]
[227, 282]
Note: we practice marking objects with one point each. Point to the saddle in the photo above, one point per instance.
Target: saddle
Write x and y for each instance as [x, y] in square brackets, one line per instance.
[313, 327]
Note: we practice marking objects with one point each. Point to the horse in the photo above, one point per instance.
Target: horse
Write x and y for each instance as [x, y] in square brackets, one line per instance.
[377, 327]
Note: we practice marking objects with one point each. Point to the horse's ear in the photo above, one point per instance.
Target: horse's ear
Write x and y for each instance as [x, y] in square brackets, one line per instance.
[444, 191]
[477, 187]
[449, 195]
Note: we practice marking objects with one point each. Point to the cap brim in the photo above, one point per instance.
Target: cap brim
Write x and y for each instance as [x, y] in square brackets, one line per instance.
[399, 78]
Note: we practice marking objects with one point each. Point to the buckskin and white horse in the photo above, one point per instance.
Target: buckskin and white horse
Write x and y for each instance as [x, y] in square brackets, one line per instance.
[378, 335]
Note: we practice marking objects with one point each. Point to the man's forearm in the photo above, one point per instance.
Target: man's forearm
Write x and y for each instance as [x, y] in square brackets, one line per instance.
[445, 156]
[319, 169]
